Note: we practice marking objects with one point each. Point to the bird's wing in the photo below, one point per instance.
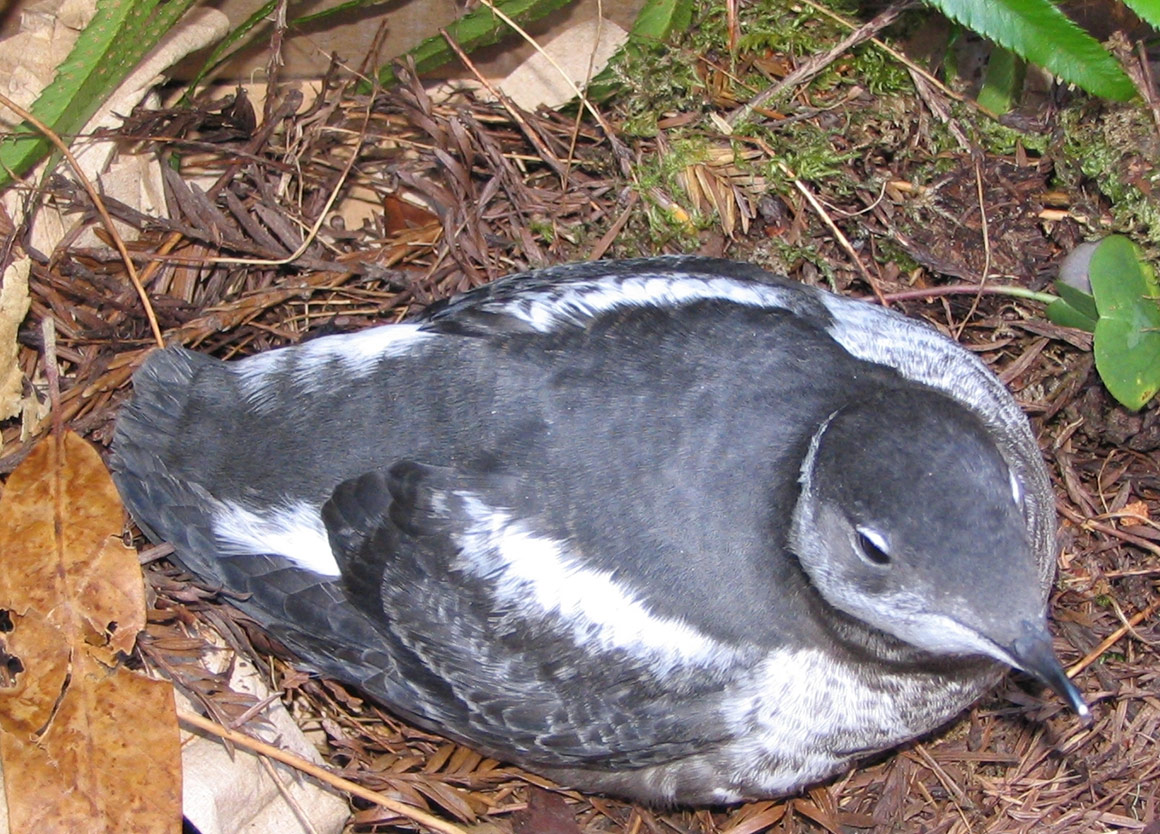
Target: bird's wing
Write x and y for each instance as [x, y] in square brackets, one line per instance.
[506, 638]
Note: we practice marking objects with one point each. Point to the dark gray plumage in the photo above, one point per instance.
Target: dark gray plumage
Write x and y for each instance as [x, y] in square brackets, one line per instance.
[674, 529]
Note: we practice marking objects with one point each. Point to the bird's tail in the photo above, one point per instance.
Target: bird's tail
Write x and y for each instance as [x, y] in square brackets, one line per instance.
[166, 508]
[306, 611]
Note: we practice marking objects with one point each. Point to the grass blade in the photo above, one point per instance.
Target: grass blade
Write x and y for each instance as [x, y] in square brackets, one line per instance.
[108, 49]
[481, 27]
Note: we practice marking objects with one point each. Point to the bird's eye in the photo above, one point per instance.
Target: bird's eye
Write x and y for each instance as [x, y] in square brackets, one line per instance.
[872, 547]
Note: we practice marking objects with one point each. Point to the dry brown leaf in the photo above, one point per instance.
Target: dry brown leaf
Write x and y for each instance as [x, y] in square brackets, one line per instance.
[1135, 511]
[14, 304]
[400, 215]
[820, 808]
[547, 813]
[758, 816]
[87, 745]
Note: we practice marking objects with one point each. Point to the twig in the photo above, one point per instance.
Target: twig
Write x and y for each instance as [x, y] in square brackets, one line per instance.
[820, 210]
[614, 230]
[546, 153]
[970, 289]
[906, 62]
[433, 823]
[843, 241]
[818, 63]
[1106, 529]
[733, 26]
[986, 246]
[330, 200]
[289, 104]
[275, 62]
[52, 137]
[52, 374]
[1114, 638]
[576, 122]
[287, 797]
[957, 796]
[621, 152]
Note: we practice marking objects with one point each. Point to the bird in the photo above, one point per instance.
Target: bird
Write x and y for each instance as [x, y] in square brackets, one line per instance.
[672, 529]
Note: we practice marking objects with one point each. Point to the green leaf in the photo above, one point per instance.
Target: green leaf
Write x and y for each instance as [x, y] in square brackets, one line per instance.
[1080, 301]
[1127, 335]
[479, 28]
[658, 19]
[654, 25]
[1002, 81]
[1146, 10]
[1065, 315]
[1041, 33]
[219, 53]
[108, 49]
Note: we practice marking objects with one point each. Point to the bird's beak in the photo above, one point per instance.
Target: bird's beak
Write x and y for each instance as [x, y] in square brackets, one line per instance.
[1032, 653]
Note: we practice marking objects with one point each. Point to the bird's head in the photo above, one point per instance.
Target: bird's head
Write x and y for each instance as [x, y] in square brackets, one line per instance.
[910, 520]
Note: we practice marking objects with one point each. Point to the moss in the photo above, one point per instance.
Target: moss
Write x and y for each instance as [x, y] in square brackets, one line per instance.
[794, 255]
[879, 73]
[659, 80]
[671, 216]
[809, 152]
[1118, 154]
[545, 230]
[1000, 139]
[890, 251]
[862, 106]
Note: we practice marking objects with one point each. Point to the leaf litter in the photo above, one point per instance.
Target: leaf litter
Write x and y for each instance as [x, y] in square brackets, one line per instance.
[87, 744]
[458, 191]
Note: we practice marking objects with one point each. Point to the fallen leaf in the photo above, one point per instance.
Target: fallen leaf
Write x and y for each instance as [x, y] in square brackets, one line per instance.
[547, 813]
[87, 745]
[401, 215]
[14, 303]
[1135, 511]
[758, 816]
